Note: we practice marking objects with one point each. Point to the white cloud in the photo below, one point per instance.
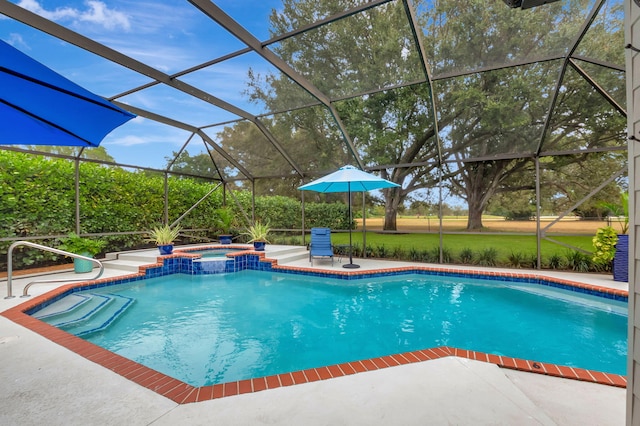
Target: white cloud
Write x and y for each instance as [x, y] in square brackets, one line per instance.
[129, 140]
[96, 13]
[17, 41]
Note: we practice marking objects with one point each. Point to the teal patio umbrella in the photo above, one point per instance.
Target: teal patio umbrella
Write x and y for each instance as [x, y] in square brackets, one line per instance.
[348, 179]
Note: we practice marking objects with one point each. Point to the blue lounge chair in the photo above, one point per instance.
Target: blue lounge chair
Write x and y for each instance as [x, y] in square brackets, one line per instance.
[320, 244]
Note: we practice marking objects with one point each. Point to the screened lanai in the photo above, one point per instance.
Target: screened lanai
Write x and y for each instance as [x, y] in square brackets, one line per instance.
[318, 85]
[455, 104]
[462, 104]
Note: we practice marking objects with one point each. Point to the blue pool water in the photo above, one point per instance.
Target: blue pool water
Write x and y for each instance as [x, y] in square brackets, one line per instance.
[218, 328]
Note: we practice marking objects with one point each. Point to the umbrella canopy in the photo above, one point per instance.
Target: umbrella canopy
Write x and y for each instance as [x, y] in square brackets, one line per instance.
[40, 107]
[348, 179]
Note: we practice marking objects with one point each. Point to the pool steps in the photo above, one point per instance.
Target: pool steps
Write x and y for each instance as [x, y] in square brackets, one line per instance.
[81, 314]
[288, 255]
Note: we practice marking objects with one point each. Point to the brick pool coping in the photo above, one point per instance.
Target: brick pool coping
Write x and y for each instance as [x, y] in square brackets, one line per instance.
[183, 393]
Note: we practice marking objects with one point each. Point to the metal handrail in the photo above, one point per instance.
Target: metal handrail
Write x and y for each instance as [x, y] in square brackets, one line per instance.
[50, 249]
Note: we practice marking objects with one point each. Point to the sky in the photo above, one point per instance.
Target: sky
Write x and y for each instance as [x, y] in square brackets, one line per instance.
[169, 35]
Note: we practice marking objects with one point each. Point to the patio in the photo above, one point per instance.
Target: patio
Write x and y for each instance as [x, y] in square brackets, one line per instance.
[46, 383]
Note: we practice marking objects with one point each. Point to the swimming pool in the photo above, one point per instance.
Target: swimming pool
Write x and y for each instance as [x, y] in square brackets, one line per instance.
[214, 329]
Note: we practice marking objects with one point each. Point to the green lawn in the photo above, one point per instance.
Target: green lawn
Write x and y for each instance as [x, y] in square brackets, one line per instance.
[504, 244]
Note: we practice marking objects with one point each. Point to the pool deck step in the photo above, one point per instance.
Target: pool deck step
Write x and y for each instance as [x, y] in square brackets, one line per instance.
[125, 265]
[86, 313]
[288, 256]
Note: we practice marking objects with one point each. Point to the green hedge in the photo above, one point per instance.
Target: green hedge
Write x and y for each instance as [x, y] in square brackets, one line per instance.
[38, 198]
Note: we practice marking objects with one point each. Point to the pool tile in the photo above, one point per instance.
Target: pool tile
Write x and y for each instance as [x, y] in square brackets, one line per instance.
[259, 384]
[379, 363]
[167, 386]
[390, 360]
[311, 375]
[583, 374]
[230, 389]
[298, 377]
[286, 379]
[190, 397]
[244, 386]
[508, 362]
[335, 371]
[217, 391]
[179, 393]
[324, 373]
[273, 382]
[410, 357]
[347, 369]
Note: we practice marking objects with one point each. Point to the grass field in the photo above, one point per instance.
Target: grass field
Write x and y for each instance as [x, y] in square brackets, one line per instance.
[504, 244]
[490, 223]
[425, 237]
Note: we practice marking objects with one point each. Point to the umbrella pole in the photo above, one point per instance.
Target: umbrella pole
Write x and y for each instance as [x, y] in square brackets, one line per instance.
[350, 265]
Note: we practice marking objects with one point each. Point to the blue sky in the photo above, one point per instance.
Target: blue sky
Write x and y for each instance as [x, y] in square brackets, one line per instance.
[168, 35]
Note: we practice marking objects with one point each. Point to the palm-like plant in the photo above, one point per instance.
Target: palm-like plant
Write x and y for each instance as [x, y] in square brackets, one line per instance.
[163, 235]
[258, 232]
[619, 210]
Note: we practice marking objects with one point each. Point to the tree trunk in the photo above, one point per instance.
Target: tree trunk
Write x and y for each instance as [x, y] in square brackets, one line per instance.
[474, 222]
[392, 201]
[476, 207]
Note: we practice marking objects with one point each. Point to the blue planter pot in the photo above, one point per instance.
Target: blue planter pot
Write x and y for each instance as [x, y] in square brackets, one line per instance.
[81, 266]
[621, 259]
[259, 245]
[166, 249]
[225, 239]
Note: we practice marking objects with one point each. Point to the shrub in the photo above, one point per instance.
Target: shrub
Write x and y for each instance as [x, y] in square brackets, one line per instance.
[414, 254]
[370, 251]
[398, 253]
[578, 261]
[556, 261]
[531, 261]
[604, 244]
[516, 259]
[466, 256]
[432, 255]
[488, 257]
[381, 251]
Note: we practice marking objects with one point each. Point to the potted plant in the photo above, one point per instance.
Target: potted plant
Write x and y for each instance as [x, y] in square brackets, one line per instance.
[257, 234]
[164, 236]
[86, 247]
[224, 222]
[621, 256]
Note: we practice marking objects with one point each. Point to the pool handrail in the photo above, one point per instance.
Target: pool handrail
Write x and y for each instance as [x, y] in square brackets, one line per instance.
[52, 250]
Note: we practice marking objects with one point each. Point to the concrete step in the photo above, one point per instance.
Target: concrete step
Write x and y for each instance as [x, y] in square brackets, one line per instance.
[125, 265]
[279, 251]
[144, 257]
[291, 256]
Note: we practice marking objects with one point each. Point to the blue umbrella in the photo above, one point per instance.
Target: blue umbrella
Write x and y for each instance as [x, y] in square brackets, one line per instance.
[348, 179]
[40, 107]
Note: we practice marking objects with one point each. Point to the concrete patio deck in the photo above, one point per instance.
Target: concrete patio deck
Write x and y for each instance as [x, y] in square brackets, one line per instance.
[44, 383]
